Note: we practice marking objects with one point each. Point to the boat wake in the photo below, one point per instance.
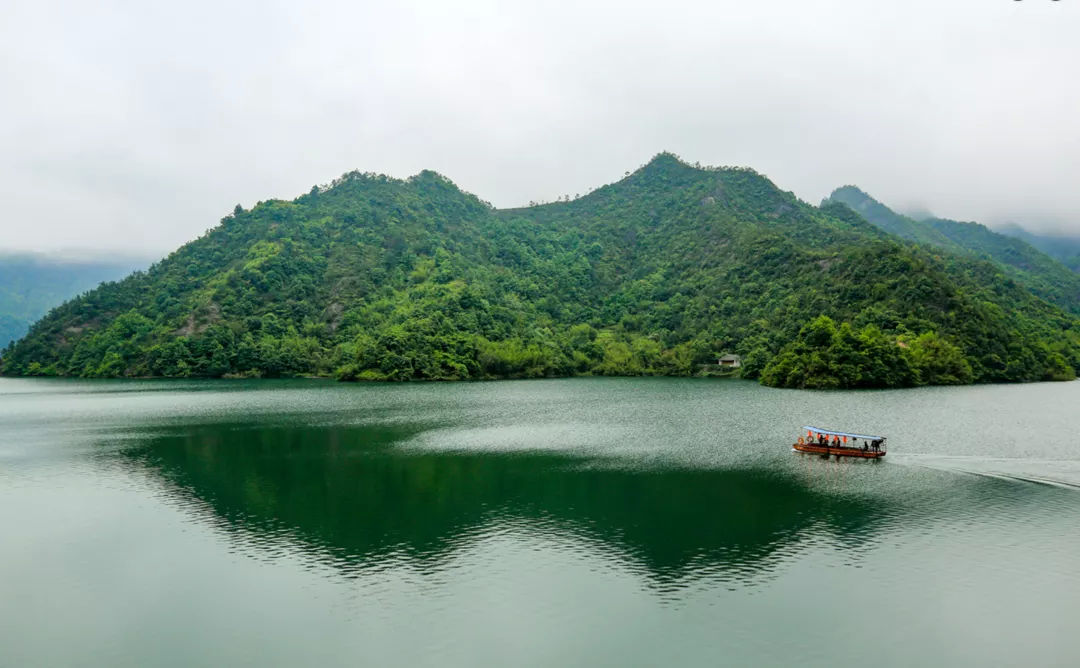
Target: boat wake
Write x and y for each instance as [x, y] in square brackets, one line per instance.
[1056, 473]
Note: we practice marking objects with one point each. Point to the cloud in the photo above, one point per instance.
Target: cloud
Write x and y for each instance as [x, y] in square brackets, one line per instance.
[136, 126]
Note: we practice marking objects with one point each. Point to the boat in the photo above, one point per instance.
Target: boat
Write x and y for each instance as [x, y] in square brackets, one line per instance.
[826, 442]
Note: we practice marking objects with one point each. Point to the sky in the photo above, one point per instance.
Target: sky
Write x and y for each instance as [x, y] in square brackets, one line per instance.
[133, 127]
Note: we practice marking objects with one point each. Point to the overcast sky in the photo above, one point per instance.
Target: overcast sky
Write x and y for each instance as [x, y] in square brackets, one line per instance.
[135, 126]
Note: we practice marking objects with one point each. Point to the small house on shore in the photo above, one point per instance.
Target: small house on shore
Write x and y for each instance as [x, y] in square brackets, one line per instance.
[729, 361]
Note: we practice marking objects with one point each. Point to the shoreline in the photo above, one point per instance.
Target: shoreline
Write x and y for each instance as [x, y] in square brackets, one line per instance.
[376, 381]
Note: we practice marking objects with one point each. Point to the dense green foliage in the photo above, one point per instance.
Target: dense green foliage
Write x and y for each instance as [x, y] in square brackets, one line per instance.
[1019, 260]
[30, 285]
[376, 278]
[825, 356]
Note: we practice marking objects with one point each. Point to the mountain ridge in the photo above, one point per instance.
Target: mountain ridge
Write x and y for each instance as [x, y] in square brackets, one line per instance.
[371, 277]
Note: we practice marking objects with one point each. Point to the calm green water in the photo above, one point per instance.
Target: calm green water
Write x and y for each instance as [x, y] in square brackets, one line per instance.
[566, 522]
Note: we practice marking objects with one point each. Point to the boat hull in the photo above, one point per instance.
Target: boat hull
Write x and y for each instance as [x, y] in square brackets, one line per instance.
[838, 451]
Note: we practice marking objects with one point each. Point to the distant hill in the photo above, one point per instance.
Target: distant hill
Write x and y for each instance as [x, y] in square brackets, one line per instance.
[1065, 249]
[372, 277]
[31, 284]
[894, 223]
[1042, 274]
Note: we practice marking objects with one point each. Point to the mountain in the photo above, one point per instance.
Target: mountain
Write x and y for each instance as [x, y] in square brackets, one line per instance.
[1064, 249]
[371, 277]
[30, 285]
[1027, 265]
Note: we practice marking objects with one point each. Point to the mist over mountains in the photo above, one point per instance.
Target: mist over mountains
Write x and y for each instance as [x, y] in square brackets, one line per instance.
[31, 285]
[1064, 248]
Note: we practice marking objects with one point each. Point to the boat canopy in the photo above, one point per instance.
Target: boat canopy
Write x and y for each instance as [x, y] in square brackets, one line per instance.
[818, 430]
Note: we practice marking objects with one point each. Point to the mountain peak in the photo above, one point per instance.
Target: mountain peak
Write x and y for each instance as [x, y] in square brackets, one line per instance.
[860, 201]
[665, 163]
[432, 176]
[665, 159]
[663, 169]
[885, 218]
[850, 194]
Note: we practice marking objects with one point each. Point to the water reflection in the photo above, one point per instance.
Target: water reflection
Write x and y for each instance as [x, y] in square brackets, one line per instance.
[352, 499]
[597, 522]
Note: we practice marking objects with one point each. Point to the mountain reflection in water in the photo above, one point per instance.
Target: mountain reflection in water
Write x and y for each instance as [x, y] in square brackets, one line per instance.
[348, 497]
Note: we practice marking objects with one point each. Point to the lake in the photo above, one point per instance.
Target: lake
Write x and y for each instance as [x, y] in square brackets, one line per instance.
[594, 521]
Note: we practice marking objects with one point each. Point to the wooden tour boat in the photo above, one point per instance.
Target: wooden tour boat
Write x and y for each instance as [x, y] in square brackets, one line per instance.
[840, 443]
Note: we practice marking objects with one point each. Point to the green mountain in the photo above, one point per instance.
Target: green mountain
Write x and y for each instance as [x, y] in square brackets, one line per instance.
[376, 278]
[30, 285]
[1019, 260]
[1064, 249]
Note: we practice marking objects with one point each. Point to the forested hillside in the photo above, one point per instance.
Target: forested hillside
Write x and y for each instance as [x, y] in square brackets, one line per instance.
[30, 285]
[1032, 268]
[376, 278]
